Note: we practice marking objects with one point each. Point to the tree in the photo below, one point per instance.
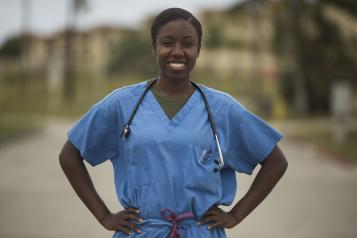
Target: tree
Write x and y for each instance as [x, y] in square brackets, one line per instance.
[132, 53]
[313, 54]
[12, 48]
[69, 52]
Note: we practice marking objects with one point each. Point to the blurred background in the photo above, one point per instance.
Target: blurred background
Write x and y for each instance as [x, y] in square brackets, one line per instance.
[292, 62]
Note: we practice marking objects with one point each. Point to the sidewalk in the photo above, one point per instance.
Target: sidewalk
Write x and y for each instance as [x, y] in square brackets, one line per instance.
[316, 198]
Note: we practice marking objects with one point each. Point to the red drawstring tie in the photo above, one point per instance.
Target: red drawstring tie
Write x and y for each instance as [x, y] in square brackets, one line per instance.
[170, 216]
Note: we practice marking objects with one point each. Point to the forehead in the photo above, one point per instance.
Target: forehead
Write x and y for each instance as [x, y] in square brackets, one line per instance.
[177, 27]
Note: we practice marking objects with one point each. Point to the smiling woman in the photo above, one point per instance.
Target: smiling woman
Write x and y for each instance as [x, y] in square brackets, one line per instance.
[176, 49]
[176, 42]
[175, 147]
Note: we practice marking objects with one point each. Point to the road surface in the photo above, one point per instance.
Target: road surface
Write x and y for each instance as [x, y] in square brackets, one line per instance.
[316, 198]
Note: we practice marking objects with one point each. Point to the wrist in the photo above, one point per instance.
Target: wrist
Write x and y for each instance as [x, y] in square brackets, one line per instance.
[237, 218]
[103, 217]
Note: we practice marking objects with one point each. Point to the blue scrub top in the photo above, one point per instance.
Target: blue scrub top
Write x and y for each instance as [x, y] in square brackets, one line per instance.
[170, 163]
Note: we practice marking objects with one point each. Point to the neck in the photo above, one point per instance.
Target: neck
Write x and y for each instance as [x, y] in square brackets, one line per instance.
[174, 88]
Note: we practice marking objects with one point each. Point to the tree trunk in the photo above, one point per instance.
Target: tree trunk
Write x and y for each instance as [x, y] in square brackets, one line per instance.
[298, 74]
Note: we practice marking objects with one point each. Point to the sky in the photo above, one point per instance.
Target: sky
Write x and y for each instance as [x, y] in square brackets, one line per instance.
[49, 16]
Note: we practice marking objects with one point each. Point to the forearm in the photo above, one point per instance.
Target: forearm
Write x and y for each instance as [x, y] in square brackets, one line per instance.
[268, 176]
[76, 172]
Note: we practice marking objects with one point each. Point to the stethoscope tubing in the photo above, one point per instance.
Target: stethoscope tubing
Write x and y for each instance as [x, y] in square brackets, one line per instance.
[126, 129]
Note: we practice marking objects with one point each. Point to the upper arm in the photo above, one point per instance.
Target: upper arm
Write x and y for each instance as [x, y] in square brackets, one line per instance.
[277, 157]
[69, 152]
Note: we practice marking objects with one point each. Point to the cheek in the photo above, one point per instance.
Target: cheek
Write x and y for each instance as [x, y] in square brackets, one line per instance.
[194, 56]
[160, 54]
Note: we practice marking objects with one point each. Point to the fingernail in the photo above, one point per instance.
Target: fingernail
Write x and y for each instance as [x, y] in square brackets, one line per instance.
[209, 227]
[141, 220]
[138, 231]
[198, 223]
[137, 211]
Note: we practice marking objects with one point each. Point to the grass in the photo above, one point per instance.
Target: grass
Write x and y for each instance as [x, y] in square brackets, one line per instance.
[16, 126]
[20, 100]
[345, 152]
[24, 102]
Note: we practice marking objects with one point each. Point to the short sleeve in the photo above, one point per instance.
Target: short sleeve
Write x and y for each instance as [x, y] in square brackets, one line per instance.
[95, 134]
[251, 139]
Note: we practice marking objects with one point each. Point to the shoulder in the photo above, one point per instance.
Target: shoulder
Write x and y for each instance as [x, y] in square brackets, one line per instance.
[220, 98]
[126, 92]
[122, 95]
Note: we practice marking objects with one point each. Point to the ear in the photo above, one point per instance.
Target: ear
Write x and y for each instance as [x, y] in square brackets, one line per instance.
[153, 48]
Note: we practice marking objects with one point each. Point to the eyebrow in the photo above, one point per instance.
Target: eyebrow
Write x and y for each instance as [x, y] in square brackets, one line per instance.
[170, 37]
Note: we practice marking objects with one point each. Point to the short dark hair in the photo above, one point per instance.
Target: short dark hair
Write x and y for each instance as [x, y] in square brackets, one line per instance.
[171, 14]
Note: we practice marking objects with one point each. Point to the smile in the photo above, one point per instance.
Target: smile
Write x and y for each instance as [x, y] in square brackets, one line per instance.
[176, 65]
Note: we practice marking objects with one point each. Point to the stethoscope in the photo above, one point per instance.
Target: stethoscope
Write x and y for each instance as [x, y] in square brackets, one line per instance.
[126, 129]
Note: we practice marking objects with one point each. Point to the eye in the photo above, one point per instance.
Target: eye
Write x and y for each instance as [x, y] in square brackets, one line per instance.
[187, 44]
[166, 43]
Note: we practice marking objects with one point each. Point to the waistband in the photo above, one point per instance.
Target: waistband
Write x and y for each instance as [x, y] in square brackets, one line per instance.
[175, 219]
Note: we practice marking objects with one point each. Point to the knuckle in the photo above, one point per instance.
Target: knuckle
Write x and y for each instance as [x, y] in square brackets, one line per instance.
[125, 230]
[132, 216]
[215, 225]
[130, 225]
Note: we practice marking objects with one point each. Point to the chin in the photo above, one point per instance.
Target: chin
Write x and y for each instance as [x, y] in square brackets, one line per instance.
[176, 75]
[179, 76]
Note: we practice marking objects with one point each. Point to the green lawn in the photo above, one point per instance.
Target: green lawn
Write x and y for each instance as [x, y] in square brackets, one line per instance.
[14, 126]
[20, 100]
[346, 152]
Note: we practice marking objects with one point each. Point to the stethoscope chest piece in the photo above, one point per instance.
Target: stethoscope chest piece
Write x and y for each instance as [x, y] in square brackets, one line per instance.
[126, 131]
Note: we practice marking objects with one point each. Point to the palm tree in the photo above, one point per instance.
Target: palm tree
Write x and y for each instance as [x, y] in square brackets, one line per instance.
[25, 70]
[299, 76]
[70, 53]
[254, 8]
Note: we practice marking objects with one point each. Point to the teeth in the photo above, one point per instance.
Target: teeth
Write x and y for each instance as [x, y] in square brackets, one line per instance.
[177, 65]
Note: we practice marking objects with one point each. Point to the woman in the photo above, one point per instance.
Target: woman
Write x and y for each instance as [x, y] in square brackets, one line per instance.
[174, 146]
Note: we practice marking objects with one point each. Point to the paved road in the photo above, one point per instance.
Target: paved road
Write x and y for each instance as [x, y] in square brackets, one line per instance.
[317, 197]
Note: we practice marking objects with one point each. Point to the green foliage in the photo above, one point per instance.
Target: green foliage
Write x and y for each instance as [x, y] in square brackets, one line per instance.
[347, 5]
[346, 152]
[322, 56]
[14, 126]
[238, 8]
[133, 54]
[12, 48]
[215, 36]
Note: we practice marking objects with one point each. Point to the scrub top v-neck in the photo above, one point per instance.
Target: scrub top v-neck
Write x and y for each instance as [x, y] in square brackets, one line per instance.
[170, 163]
[170, 105]
[170, 124]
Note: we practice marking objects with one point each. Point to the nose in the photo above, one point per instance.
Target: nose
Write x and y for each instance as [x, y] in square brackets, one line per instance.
[177, 50]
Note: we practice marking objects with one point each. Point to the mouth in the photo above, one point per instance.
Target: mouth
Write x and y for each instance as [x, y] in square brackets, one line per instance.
[176, 65]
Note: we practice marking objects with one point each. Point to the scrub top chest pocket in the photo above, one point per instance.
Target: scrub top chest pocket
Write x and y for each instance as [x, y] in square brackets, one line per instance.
[202, 175]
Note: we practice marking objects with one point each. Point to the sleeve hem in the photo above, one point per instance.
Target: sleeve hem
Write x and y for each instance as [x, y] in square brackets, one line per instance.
[83, 155]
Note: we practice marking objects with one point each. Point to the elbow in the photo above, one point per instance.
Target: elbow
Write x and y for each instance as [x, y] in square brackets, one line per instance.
[62, 159]
[278, 160]
[283, 164]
